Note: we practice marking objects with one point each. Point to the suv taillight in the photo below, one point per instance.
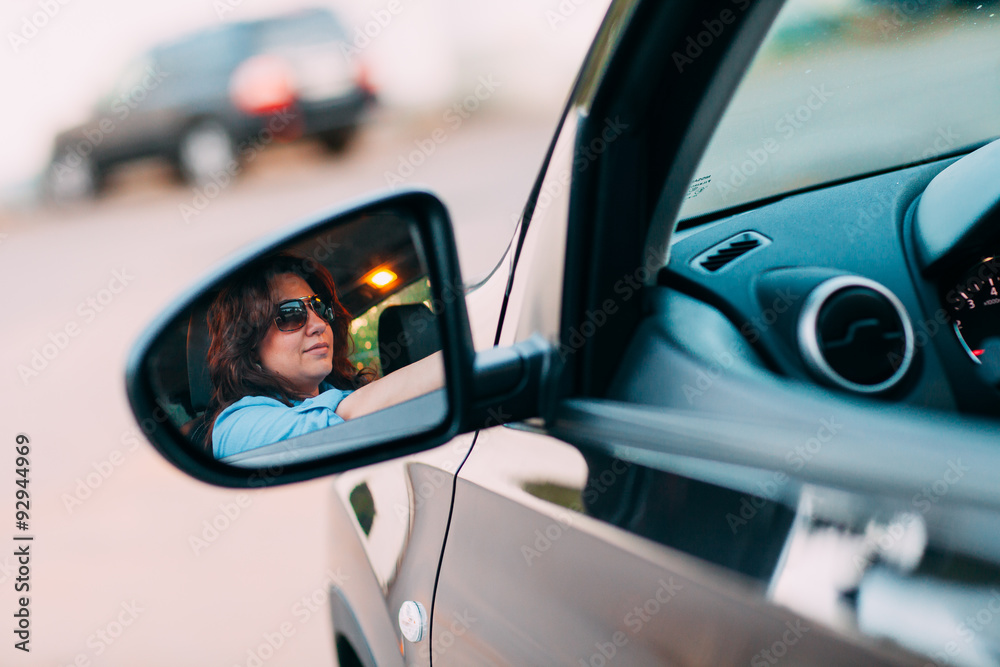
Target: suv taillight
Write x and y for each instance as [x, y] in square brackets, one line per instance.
[364, 78]
[262, 85]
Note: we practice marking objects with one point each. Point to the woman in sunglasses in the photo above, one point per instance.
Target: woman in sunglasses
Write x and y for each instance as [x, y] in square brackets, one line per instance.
[279, 363]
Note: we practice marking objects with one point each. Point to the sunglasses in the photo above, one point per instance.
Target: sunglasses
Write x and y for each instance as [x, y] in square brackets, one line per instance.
[292, 314]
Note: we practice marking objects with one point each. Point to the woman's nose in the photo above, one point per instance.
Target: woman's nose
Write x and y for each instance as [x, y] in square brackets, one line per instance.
[315, 322]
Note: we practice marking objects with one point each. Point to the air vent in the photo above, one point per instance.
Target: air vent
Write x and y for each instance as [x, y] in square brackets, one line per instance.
[718, 256]
[856, 334]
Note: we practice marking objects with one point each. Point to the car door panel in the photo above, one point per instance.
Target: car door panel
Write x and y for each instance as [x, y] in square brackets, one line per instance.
[742, 487]
[388, 528]
[543, 583]
[387, 525]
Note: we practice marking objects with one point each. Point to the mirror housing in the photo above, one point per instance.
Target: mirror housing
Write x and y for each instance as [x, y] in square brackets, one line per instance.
[359, 442]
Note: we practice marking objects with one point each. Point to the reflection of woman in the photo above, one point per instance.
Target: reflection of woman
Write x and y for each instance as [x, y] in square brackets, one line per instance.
[278, 359]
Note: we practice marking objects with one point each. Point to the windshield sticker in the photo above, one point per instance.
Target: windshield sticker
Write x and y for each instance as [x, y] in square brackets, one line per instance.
[698, 186]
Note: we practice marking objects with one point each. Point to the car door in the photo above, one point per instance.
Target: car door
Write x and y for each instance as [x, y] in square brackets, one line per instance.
[626, 526]
[387, 526]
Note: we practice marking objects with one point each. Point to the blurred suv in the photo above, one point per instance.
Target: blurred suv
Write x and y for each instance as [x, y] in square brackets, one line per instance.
[208, 102]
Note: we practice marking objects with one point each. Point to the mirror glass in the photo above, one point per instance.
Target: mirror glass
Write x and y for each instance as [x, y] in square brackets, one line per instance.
[326, 344]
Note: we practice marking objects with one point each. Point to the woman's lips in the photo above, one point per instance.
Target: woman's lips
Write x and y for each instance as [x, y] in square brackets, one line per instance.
[318, 348]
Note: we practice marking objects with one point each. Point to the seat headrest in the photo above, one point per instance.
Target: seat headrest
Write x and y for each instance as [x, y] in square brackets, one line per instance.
[406, 333]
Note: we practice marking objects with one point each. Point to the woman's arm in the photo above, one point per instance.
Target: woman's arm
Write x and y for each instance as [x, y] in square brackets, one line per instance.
[419, 378]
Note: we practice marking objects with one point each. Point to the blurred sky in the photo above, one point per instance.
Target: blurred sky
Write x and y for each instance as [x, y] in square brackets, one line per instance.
[420, 60]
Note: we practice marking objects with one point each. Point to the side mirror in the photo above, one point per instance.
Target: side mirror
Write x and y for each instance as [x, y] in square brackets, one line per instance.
[243, 383]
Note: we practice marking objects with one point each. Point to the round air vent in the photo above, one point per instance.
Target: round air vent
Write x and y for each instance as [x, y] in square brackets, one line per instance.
[855, 333]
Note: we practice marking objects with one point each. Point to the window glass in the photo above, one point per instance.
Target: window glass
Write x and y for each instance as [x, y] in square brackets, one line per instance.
[842, 88]
[305, 30]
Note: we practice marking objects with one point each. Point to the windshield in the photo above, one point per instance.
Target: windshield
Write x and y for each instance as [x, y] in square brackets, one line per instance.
[842, 88]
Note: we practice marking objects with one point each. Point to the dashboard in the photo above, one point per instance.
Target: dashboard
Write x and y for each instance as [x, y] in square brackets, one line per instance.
[886, 286]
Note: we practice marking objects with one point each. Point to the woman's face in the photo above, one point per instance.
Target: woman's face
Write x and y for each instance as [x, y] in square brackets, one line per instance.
[303, 357]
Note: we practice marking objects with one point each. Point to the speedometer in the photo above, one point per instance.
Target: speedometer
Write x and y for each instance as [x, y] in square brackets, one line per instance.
[974, 304]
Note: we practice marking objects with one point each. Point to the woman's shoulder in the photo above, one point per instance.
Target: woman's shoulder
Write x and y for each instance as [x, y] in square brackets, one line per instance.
[325, 386]
[254, 421]
[271, 402]
[249, 402]
[235, 424]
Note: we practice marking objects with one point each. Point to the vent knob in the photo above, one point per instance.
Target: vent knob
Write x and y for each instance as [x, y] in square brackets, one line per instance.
[856, 334]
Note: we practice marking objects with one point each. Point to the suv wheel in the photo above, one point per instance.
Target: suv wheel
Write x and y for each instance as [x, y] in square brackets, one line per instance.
[205, 151]
[71, 177]
[338, 141]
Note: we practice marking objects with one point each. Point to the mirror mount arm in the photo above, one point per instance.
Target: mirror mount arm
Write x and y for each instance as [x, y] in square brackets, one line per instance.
[508, 384]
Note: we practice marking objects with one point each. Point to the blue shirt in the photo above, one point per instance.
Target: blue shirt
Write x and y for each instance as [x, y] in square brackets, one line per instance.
[255, 421]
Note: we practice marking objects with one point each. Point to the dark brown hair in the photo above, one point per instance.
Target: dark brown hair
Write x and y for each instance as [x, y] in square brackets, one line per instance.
[240, 317]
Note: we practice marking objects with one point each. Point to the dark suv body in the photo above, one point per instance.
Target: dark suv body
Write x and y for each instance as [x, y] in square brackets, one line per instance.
[209, 101]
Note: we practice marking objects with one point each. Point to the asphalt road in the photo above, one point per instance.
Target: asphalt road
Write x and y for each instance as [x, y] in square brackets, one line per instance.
[133, 562]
